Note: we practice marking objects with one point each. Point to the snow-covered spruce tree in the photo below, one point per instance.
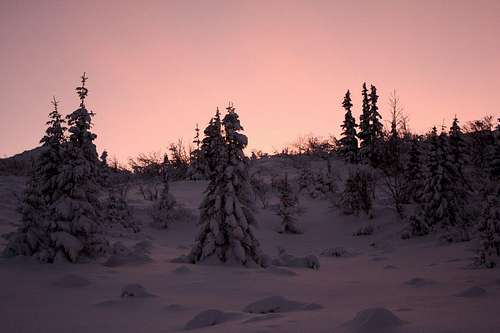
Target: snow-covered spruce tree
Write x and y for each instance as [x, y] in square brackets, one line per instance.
[457, 149]
[226, 219]
[163, 210]
[77, 229]
[358, 191]
[443, 200]
[71, 227]
[117, 211]
[213, 147]
[364, 133]
[196, 169]
[288, 208]
[376, 129]
[413, 171]
[33, 236]
[489, 229]
[104, 170]
[305, 179]
[349, 141]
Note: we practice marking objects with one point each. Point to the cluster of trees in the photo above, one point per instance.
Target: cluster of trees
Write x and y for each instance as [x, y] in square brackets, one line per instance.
[444, 173]
[60, 212]
[63, 219]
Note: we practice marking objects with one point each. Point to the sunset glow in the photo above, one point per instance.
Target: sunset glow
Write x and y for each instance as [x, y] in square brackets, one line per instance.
[156, 68]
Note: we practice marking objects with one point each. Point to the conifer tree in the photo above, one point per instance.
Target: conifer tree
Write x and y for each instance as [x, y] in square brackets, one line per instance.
[288, 208]
[376, 127]
[489, 228]
[196, 168]
[213, 146]
[364, 133]
[349, 140]
[32, 237]
[376, 131]
[226, 219]
[104, 158]
[443, 201]
[117, 210]
[70, 228]
[358, 191]
[77, 230]
[163, 211]
[457, 149]
[413, 172]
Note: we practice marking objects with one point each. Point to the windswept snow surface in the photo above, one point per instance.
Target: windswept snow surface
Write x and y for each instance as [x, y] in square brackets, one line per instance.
[413, 289]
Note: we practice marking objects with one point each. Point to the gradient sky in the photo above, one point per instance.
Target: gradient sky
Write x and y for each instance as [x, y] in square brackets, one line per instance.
[156, 68]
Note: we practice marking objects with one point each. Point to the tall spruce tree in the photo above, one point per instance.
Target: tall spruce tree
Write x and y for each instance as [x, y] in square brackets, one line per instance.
[197, 166]
[349, 140]
[213, 148]
[364, 133]
[376, 131]
[77, 229]
[70, 227]
[413, 171]
[33, 235]
[226, 218]
[457, 149]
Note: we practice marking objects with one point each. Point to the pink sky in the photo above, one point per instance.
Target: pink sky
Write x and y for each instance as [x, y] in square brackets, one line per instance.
[156, 68]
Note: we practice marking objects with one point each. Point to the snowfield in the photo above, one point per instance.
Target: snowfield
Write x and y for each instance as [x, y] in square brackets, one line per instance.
[364, 284]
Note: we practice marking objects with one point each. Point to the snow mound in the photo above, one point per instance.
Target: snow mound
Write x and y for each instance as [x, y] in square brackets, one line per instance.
[135, 290]
[210, 318]
[183, 259]
[182, 270]
[390, 267]
[278, 271]
[419, 282]
[337, 252]
[124, 256]
[279, 304]
[72, 281]
[288, 260]
[130, 260]
[472, 292]
[374, 320]
[263, 318]
[175, 307]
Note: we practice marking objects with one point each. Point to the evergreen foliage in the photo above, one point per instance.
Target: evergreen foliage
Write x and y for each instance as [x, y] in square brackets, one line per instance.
[64, 222]
[288, 208]
[349, 141]
[226, 218]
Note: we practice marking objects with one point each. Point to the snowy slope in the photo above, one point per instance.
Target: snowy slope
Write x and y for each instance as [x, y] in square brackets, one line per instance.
[425, 286]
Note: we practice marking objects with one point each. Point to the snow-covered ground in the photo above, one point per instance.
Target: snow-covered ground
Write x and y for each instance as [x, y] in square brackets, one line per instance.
[379, 283]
